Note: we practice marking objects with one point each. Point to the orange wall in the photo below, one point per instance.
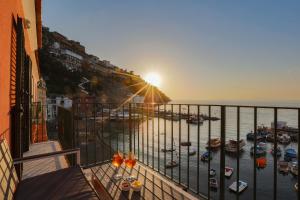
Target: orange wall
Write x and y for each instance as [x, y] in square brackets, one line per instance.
[9, 11]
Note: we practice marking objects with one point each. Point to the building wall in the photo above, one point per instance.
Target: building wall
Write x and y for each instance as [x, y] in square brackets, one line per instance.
[9, 11]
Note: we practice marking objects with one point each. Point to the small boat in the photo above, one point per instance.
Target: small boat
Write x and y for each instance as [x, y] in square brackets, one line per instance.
[192, 152]
[171, 164]
[294, 168]
[278, 151]
[262, 145]
[185, 143]
[270, 137]
[261, 162]
[296, 186]
[206, 156]
[194, 120]
[283, 167]
[231, 146]
[168, 149]
[213, 183]
[213, 143]
[259, 136]
[284, 139]
[212, 172]
[290, 154]
[241, 186]
[228, 171]
[259, 151]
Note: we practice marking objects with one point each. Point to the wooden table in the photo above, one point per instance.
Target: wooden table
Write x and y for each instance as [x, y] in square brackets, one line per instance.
[154, 185]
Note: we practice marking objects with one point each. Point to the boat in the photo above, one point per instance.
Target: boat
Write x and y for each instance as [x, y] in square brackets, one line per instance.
[278, 151]
[213, 143]
[261, 162]
[241, 186]
[270, 137]
[206, 156]
[294, 168]
[259, 136]
[259, 151]
[283, 167]
[228, 171]
[168, 149]
[290, 154]
[213, 183]
[172, 164]
[194, 120]
[185, 143]
[296, 186]
[231, 146]
[284, 139]
[192, 152]
[212, 172]
[262, 145]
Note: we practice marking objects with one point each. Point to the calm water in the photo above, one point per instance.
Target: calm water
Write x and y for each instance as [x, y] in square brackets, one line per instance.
[157, 128]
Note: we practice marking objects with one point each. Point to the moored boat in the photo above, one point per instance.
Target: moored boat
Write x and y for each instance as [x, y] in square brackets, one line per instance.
[192, 152]
[294, 168]
[261, 162]
[278, 151]
[168, 149]
[171, 164]
[232, 146]
[228, 171]
[238, 188]
[194, 120]
[213, 183]
[290, 154]
[283, 167]
[213, 143]
[206, 156]
[212, 172]
[259, 151]
[296, 186]
[185, 143]
[284, 139]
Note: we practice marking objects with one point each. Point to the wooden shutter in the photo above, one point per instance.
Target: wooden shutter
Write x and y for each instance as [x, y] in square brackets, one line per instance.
[13, 66]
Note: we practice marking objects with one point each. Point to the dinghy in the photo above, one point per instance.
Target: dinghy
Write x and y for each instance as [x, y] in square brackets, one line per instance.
[212, 172]
[213, 183]
[283, 167]
[228, 171]
[206, 156]
[241, 186]
[290, 154]
[171, 164]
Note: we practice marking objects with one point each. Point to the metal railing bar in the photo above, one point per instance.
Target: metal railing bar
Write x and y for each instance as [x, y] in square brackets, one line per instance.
[254, 153]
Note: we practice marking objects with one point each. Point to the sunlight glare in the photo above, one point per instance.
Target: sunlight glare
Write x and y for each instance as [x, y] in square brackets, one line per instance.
[153, 79]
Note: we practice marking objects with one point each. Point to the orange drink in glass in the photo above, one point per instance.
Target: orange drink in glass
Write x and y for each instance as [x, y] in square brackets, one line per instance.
[117, 159]
[130, 161]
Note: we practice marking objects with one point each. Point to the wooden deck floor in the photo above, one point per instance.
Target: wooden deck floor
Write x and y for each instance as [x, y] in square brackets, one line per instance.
[154, 186]
[38, 167]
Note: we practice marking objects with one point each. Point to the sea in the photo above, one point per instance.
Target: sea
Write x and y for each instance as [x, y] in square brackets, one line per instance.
[150, 136]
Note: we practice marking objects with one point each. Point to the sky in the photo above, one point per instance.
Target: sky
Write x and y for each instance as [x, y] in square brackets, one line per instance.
[203, 50]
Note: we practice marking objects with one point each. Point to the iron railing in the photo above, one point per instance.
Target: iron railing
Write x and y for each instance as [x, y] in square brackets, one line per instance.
[159, 134]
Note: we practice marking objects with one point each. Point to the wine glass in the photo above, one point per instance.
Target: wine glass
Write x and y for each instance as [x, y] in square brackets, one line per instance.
[117, 161]
[130, 162]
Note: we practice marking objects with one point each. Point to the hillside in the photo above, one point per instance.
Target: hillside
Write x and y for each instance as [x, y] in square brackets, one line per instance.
[66, 67]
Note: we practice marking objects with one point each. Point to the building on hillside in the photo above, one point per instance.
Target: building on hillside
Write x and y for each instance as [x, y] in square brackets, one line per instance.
[53, 103]
[71, 60]
[20, 40]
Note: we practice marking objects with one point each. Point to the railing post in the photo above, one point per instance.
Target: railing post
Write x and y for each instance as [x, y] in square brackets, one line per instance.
[78, 157]
[130, 134]
[222, 158]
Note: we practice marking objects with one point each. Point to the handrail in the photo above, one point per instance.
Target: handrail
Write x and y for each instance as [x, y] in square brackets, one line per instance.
[47, 155]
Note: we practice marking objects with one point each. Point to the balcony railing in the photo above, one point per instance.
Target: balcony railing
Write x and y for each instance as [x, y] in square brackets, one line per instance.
[172, 139]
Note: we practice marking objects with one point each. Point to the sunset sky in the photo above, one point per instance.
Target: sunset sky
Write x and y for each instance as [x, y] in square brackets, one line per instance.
[203, 50]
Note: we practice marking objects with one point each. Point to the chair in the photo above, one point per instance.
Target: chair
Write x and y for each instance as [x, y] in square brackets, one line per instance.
[69, 183]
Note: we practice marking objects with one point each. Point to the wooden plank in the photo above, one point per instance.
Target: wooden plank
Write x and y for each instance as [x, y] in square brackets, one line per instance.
[154, 187]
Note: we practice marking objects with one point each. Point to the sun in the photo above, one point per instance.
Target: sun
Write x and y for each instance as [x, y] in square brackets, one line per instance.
[153, 79]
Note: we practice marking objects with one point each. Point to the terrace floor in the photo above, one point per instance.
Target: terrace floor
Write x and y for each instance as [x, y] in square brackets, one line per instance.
[38, 167]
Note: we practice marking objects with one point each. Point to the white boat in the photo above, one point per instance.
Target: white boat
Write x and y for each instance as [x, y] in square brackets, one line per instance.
[294, 168]
[192, 152]
[212, 172]
[241, 186]
[228, 171]
[284, 139]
